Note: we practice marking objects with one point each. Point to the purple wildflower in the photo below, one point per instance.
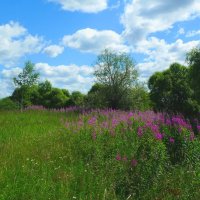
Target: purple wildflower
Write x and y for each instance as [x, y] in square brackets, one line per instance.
[158, 136]
[134, 163]
[92, 121]
[171, 140]
[198, 128]
[140, 132]
[118, 157]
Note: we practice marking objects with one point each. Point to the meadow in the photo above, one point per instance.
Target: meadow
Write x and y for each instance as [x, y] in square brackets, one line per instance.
[98, 155]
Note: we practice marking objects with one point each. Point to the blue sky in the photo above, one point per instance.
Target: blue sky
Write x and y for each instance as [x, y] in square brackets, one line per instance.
[63, 37]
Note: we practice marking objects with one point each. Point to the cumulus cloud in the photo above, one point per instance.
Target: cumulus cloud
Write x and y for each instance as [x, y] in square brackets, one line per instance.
[141, 17]
[88, 6]
[161, 54]
[15, 42]
[71, 77]
[94, 41]
[53, 50]
[6, 81]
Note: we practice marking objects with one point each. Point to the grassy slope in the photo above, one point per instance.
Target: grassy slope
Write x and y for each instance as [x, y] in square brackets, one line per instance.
[38, 160]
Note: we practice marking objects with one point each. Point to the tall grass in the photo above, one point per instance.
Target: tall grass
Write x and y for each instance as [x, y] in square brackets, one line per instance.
[97, 155]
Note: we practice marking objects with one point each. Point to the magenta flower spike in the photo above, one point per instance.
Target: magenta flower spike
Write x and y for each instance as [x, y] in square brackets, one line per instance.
[134, 163]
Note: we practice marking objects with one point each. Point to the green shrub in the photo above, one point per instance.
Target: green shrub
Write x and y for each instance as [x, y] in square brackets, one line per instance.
[8, 104]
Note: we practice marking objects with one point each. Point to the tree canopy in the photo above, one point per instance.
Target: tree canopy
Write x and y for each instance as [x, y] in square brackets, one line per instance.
[117, 73]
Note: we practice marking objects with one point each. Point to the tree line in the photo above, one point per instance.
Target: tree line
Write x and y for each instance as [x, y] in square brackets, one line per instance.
[175, 90]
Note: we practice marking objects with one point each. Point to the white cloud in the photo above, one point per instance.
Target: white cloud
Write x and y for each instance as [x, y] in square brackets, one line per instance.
[193, 33]
[6, 81]
[141, 17]
[53, 50]
[88, 6]
[161, 54]
[71, 77]
[15, 42]
[94, 41]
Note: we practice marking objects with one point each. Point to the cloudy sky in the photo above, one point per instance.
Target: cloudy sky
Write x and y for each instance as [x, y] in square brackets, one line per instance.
[63, 37]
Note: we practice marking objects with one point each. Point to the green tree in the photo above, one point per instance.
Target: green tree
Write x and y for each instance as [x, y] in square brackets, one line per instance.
[117, 73]
[24, 82]
[44, 90]
[193, 59]
[8, 104]
[95, 97]
[139, 98]
[170, 91]
[57, 98]
[76, 99]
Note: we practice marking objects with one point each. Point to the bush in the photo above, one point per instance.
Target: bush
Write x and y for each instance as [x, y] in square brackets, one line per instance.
[8, 104]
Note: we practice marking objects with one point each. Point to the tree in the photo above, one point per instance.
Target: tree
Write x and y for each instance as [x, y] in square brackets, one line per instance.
[117, 73]
[170, 91]
[57, 98]
[8, 104]
[24, 81]
[139, 98]
[95, 97]
[76, 99]
[193, 59]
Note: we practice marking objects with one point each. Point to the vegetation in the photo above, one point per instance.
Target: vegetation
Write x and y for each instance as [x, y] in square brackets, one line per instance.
[97, 155]
[24, 83]
[176, 90]
[117, 74]
[74, 146]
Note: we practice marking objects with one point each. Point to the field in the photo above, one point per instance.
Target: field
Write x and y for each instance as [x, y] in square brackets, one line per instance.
[98, 155]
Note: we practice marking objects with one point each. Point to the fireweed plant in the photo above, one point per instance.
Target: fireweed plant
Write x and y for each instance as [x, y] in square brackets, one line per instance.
[139, 146]
[74, 153]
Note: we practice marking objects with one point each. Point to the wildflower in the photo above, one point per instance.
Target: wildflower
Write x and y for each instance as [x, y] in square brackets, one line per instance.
[171, 140]
[134, 163]
[118, 157]
[198, 128]
[140, 132]
[92, 121]
[130, 114]
[158, 136]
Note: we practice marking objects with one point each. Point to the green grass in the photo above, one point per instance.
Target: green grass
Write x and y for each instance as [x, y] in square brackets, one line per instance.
[41, 160]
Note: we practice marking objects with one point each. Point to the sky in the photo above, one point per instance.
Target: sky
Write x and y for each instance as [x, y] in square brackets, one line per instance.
[64, 37]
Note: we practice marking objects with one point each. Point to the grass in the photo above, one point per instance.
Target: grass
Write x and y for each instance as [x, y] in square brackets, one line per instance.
[40, 159]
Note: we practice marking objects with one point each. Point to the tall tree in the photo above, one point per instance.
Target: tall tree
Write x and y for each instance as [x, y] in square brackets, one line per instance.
[24, 81]
[193, 59]
[116, 71]
[170, 91]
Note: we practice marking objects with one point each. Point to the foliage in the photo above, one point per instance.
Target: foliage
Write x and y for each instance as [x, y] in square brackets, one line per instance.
[25, 96]
[57, 98]
[193, 59]
[95, 97]
[117, 73]
[103, 154]
[170, 91]
[24, 81]
[138, 98]
[8, 104]
[76, 99]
